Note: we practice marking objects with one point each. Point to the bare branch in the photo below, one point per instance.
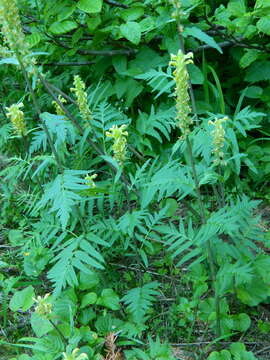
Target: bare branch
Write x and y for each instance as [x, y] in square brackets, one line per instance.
[69, 63]
[116, 3]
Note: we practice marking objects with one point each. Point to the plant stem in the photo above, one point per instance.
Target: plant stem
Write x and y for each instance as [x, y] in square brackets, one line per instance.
[197, 185]
[58, 331]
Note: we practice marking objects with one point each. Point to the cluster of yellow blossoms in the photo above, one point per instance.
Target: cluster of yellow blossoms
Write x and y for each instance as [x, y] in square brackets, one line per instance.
[11, 30]
[58, 109]
[181, 77]
[90, 181]
[16, 117]
[218, 135]
[119, 136]
[81, 95]
[43, 307]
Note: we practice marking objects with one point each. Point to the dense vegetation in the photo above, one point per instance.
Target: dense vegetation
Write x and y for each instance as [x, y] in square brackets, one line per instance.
[134, 167]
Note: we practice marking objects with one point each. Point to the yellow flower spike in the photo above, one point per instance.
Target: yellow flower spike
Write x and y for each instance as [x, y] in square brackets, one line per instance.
[218, 136]
[90, 181]
[119, 135]
[16, 117]
[43, 308]
[11, 30]
[57, 107]
[74, 355]
[81, 95]
[181, 77]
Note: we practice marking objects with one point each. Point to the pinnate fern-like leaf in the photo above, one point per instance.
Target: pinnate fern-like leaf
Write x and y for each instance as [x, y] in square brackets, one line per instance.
[62, 194]
[140, 299]
[75, 254]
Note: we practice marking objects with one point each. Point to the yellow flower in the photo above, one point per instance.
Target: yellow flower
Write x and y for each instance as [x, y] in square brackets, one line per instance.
[181, 77]
[43, 307]
[74, 355]
[81, 95]
[16, 117]
[118, 134]
[218, 135]
[12, 30]
[90, 181]
[57, 107]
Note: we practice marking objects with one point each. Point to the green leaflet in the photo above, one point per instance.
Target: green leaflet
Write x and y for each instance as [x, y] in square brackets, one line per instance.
[139, 300]
[90, 6]
[62, 27]
[131, 31]
[202, 36]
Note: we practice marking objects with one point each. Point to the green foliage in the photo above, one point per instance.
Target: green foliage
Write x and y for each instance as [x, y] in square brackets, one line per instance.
[139, 300]
[167, 244]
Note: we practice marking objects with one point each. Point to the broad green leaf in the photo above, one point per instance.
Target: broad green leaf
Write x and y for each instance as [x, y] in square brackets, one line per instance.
[16, 237]
[62, 27]
[88, 281]
[88, 299]
[202, 36]
[253, 294]
[22, 299]
[249, 57]
[222, 355]
[237, 7]
[120, 63]
[241, 322]
[131, 31]
[109, 299]
[66, 11]
[147, 24]
[40, 325]
[90, 6]
[93, 23]
[263, 25]
[258, 71]
[132, 13]
[171, 206]
[238, 350]
[262, 4]
[33, 39]
[253, 92]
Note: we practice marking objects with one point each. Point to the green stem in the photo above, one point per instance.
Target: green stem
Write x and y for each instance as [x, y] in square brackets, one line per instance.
[59, 332]
[211, 259]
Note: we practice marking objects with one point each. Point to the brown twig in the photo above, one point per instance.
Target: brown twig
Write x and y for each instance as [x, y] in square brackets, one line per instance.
[116, 3]
[69, 63]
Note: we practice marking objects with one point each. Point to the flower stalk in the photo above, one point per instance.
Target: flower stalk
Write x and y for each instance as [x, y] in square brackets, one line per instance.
[119, 136]
[81, 96]
[16, 117]
[12, 32]
[181, 77]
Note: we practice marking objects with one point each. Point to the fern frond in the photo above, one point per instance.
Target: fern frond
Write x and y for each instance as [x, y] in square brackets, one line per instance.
[62, 194]
[105, 116]
[159, 81]
[140, 299]
[171, 179]
[158, 122]
[74, 254]
[246, 120]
